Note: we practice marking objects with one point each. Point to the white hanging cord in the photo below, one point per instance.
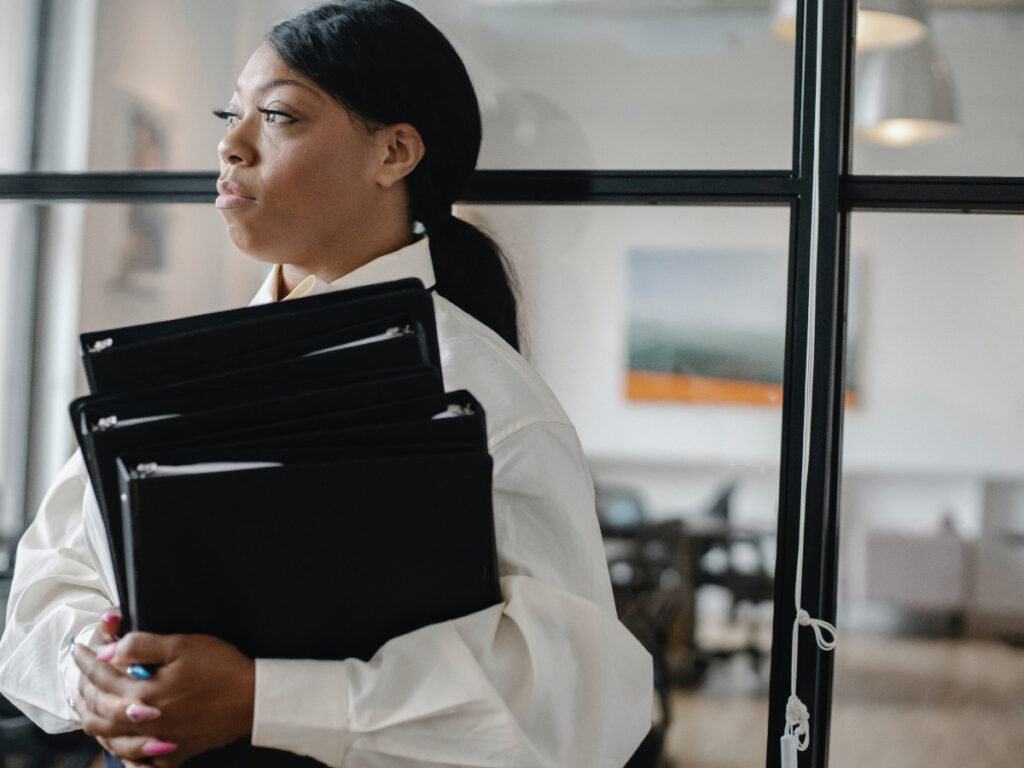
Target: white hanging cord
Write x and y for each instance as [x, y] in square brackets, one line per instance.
[797, 734]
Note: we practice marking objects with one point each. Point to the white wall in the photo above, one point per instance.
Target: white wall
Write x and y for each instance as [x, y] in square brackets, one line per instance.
[943, 362]
[578, 86]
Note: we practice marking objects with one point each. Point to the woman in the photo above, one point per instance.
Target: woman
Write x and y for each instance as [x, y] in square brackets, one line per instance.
[351, 131]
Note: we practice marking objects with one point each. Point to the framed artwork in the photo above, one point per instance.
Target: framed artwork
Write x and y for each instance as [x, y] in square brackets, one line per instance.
[709, 326]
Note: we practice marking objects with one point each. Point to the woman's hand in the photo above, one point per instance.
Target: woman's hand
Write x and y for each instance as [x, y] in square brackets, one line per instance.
[200, 696]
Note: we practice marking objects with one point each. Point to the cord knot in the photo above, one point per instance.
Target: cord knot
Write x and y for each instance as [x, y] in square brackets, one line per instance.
[798, 720]
[820, 627]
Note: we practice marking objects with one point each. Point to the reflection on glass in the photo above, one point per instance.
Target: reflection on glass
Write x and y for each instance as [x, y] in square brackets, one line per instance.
[17, 59]
[16, 277]
[929, 662]
[141, 263]
[943, 105]
[104, 266]
[880, 23]
[637, 84]
[686, 475]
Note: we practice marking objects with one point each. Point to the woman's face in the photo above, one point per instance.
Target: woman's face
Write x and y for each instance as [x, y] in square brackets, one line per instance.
[298, 175]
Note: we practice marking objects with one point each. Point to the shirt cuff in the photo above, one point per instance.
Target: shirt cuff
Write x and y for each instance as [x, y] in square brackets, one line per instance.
[302, 706]
[70, 671]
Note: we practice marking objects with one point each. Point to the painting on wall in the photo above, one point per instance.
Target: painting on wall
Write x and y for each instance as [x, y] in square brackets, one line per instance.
[709, 326]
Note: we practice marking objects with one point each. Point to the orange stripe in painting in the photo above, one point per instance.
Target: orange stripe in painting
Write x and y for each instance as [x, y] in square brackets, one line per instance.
[648, 385]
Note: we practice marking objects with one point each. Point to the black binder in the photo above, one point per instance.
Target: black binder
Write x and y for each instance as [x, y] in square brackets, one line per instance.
[144, 355]
[299, 457]
[392, 555]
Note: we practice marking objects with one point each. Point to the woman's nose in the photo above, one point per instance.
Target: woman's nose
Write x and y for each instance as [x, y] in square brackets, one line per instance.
[236, 147]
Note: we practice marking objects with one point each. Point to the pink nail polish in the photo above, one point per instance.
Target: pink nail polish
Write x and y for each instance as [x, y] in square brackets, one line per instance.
[109, 616]
[154, 748]
[106, 653]
[140, 713]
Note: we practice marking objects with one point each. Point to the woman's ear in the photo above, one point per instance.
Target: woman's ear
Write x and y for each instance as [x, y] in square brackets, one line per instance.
[403, 148]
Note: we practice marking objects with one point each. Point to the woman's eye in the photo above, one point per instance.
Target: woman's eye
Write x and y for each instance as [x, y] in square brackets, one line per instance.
[230, 118]
[276, 116]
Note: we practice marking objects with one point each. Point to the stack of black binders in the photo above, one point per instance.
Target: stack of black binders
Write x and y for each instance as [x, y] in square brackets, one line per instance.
[291, 478]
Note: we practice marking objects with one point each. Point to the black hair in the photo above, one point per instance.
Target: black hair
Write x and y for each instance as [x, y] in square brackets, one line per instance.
[387, 64]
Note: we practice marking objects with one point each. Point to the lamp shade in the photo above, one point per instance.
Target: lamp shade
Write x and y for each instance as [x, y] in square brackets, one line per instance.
[904, 96]
[880, 23]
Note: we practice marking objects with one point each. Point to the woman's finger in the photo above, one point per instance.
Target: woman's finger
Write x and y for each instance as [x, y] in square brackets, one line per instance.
[97, 725]
[110, 626]
[118, 711]
[142, 648]
[136, 748]
[111, 709]
[103, 675]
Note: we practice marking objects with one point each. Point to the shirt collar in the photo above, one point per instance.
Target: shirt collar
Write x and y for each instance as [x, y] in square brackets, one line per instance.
[411, 261]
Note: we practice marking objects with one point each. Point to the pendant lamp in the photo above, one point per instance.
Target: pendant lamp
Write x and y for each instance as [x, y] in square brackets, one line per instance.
[880, 23]
[904, 96]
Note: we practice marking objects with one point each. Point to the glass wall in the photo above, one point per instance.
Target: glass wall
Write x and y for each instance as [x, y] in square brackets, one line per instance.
[930, 662]
[661, 331]
[944, 103]
[680, 418]
[638, 84]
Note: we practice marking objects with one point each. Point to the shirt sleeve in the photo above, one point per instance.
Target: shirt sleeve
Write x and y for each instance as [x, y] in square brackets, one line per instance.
[58, 592]
[547, 678]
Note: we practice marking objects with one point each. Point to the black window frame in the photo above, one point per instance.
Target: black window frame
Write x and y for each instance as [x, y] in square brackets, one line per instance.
[838, 194]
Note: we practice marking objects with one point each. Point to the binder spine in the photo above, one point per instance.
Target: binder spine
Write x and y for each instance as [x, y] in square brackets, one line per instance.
[128, 481]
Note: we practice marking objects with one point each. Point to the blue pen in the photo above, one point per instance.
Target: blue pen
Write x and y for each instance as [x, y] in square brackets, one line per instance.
[139, 672]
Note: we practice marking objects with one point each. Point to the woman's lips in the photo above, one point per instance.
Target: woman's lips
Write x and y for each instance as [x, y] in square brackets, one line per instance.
[232, 196]
[234, 201]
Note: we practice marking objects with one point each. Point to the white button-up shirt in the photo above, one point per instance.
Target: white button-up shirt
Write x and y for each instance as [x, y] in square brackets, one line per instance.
[549, 677]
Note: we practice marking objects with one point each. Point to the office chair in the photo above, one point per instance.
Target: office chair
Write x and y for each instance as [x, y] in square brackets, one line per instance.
[716, 550]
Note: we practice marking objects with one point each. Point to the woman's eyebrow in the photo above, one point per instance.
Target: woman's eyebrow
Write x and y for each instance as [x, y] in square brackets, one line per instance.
[279, 81]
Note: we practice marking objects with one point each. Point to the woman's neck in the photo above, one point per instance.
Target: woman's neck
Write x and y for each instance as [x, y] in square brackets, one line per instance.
[387, 235]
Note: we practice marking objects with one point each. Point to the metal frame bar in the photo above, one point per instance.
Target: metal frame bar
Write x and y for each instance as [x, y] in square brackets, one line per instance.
[790, 464]
[825, 165]
[108, 187]
[976, 194]
[933, 194]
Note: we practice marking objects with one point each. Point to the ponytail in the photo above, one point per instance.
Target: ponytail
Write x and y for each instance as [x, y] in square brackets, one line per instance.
[472, 272]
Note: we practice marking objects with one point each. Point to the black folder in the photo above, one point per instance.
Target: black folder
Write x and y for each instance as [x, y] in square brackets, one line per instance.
[396, 542]
[145, 355]
[401, 542]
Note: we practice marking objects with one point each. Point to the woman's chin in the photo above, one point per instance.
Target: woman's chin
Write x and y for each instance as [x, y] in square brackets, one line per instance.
[266, 257]
[256, 249]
